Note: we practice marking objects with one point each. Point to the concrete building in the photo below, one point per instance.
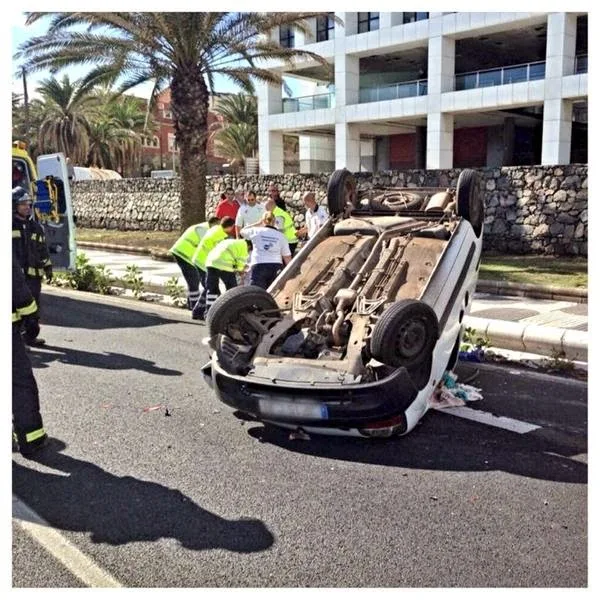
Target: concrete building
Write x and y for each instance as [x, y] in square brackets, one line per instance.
[431, 90]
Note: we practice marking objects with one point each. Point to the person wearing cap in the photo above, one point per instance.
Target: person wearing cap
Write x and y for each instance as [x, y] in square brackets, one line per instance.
[31, 253]
[28, 429]
[314, 218]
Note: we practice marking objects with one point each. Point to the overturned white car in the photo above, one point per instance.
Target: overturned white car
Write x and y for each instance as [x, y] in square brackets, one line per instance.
[357, 331]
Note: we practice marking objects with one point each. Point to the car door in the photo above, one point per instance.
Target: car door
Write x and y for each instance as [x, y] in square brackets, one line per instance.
[53, 208]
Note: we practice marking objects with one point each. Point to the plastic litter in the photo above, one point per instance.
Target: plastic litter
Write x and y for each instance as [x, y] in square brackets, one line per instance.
[451, 393]
[474, 355]
[300, 434]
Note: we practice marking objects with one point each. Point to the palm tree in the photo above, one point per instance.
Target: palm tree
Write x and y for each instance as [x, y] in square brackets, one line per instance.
[184, 51]
[236, 141]
[65, 125]
[238, 108]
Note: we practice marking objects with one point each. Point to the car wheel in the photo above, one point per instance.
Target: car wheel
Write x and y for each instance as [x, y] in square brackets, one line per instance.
[341, 191]
[226, 315]
[469, 201]
[405, 334]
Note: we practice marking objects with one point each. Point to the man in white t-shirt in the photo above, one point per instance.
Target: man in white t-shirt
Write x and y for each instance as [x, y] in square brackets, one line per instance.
[315, 216]
[249, 213]
[270, 251]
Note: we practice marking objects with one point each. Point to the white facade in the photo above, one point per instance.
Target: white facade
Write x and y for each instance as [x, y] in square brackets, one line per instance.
[353, 125]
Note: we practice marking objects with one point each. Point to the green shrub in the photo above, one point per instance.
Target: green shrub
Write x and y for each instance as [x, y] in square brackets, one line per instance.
[176, 291]
[86, 277]
[133, 280]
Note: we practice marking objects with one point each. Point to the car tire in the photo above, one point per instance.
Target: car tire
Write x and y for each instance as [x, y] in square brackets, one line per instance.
[230, 306]
[405, 334]
[469, 200]
[341, 191]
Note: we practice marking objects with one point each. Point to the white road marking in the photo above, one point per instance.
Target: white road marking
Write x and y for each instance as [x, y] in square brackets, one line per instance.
[489, 419]
[60, 548]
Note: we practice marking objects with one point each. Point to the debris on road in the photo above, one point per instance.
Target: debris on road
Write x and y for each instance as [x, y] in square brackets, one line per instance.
[300, 434]
[451, 393]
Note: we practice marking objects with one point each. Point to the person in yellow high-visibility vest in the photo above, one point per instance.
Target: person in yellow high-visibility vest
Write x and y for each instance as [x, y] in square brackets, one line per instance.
[222, 263]
[183, 250]
[284, 222]
[208, 241]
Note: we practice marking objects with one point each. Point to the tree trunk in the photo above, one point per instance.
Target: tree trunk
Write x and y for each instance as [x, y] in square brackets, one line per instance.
[189, 105]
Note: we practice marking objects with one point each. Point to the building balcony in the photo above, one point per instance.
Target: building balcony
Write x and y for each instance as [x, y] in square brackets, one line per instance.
[405, 89]
[500, 76]
[319, 101]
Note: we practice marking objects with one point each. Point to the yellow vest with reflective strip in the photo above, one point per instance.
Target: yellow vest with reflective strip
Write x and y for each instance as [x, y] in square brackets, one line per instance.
[289, 229]
[209, 240]
[187, 243]
[228, 255]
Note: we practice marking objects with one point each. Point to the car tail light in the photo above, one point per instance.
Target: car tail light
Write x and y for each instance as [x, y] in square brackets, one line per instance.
[386, 427]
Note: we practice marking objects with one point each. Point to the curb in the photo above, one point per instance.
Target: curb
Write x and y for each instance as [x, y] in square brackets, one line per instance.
[571, 344]
[484, 286]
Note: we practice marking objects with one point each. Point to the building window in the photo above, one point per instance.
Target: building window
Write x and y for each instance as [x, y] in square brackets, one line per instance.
[325, 27]
[286, 36]
[155, 142]
[368, 21]
[415, 16]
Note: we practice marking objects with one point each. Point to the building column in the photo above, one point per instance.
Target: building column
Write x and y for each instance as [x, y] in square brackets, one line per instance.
[440, 139]
[316, 153]
[346, 80]
[270, 143]
[556, 135]
[350, 26]
[347, 147]
[558, 113]
[440, 79]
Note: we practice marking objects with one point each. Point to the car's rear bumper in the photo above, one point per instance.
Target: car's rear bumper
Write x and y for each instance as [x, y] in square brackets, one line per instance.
[340, 406]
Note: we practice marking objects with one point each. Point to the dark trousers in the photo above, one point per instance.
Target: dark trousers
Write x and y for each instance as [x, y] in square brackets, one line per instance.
[27, 420]
[199, 308]
[191, 274]
[32, 327]
[212, 284]
[264, 274]
[293, 248]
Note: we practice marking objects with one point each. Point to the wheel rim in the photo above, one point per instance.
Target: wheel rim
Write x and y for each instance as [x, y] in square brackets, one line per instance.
[411, 338]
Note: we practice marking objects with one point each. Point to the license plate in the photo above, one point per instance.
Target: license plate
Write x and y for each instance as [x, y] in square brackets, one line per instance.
[292, 410]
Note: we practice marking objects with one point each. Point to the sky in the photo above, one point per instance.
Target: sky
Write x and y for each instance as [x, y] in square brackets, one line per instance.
[21, 33]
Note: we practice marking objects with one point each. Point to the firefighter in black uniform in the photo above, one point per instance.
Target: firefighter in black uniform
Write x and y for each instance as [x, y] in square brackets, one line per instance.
[31, 252]
[27, 421]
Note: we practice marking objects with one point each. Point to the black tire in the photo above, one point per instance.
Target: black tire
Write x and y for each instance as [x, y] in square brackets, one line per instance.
[469, 201]
[405, 334]
[341, 191]
[230, 306]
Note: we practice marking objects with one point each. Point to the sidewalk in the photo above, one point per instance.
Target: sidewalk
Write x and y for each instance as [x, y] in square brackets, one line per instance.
[522, 324]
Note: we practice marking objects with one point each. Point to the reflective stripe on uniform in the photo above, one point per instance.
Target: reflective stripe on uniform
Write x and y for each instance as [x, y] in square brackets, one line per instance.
[37, 237]
[27, 310]
[16, 233]
[33, 272]
[34, 435]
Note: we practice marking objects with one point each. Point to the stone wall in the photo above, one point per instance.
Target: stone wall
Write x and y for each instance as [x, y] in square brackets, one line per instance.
[528, 209]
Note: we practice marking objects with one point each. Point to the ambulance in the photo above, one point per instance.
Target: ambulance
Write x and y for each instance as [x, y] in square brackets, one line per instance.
[47, 181]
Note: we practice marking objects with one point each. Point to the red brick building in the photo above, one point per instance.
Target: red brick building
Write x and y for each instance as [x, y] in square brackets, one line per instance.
[161, 152]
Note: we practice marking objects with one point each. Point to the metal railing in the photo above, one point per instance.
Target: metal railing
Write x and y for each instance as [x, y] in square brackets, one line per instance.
[308, 102]
[581, 63]
[501, 76]
[404, 89]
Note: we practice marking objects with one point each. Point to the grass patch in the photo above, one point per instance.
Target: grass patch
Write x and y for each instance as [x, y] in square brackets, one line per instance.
[563, 271]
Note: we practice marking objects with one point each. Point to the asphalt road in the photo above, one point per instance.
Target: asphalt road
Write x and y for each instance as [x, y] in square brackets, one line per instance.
[155, 482]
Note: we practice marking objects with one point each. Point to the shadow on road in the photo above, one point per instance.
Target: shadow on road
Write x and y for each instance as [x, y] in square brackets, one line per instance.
[443, 445]
[42, 356]
[117, 510]
[63, 311]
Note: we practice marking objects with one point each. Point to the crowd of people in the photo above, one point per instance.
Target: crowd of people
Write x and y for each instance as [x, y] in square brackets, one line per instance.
[245, 242]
